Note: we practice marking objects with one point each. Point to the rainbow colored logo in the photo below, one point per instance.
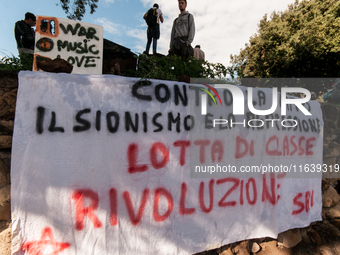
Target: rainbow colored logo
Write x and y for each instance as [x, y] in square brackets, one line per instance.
[212, 89]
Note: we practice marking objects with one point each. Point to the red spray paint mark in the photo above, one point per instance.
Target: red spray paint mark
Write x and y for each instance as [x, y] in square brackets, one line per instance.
[183, 145]
[182, 209]
[135, 219]
[153, 155]
[82, 211]
[243, 147]
[298, 203]
[132, 154]
[217, 148]
[307, 200]
[241, 193]
[211, 196]
[202, 144]
[304, 202]
[222, 202]
[251, 201]
[289, 146]
[266, 194]
[46, 243]
[113, 207]
[168, 196]
[294, 145]
[309, 146]
[302, 151]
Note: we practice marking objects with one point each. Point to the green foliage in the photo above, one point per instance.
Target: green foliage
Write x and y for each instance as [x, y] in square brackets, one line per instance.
[13, 63]
[172, 67]
[76, 9]
[216, 70]
[303, 41]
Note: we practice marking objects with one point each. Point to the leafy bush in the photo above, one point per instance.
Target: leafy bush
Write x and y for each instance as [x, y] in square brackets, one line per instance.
[302, 41]
[172, 67]
[24, 62]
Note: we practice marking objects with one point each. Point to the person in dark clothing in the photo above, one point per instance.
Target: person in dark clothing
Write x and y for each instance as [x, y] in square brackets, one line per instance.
[153, 31]
[24, 34]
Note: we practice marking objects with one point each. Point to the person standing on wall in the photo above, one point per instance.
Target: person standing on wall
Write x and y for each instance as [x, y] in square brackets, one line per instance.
[182, 33]
[153, 17]
[25, 38]
[198, 53]
[25, 34]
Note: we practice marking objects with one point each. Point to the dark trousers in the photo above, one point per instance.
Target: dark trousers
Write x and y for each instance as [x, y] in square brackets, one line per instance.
[154, 45]
[153, 34]
[182, 51]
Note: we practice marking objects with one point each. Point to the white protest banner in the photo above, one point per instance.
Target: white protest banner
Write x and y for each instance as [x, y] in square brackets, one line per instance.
[79, 43]
[101, 165]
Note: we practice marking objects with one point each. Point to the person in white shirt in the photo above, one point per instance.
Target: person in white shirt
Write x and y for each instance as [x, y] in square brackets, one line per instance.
[198, 53]
[153, 18]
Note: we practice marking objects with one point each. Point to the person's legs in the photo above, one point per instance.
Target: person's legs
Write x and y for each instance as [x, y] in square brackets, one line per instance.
[149, 36]
[176, 52]
[155, 36]
[148, 46]
[154, 45]
[184, 51]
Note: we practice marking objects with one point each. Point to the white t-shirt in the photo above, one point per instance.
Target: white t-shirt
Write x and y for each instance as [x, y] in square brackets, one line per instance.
[159, 13]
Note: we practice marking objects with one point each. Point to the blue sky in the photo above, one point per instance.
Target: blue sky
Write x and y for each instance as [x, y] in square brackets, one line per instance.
[222, 26]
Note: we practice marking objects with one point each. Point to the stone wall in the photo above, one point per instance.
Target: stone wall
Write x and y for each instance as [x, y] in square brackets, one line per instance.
[8, 94]
[318, 238]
